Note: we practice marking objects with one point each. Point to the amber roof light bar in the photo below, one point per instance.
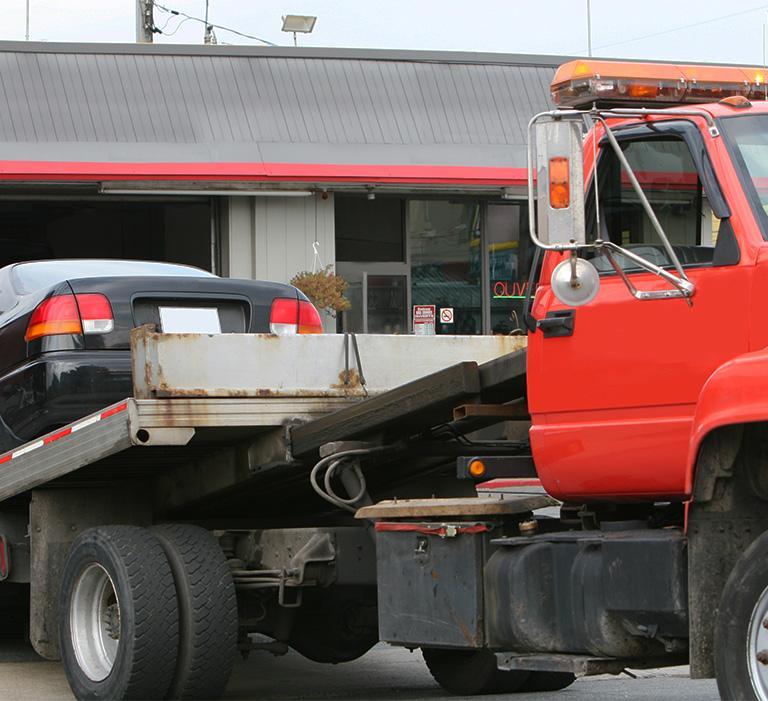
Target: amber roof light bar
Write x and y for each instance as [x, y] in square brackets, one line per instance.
[585, 82]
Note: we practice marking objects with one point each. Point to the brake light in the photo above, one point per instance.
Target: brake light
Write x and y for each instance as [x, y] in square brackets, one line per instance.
[71, 314]
[559, 183]
[309, 318]
[291, 316]
[55, 315]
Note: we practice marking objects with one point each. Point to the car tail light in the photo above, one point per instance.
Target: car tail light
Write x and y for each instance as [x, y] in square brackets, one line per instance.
[309, 318]
[55, 315]
[95, 313]
[71, 314]
[291, 316]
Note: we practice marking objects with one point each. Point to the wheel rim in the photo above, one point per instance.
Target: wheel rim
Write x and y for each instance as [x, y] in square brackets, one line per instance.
[94, 620]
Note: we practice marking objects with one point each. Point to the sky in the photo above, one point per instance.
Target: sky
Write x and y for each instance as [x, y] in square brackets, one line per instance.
[686, 30]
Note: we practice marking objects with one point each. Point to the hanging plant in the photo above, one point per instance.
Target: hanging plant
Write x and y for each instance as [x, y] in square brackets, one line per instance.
[324, 288]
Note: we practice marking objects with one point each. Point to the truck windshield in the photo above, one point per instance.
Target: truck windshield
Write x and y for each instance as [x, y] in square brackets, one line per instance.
[748, 141]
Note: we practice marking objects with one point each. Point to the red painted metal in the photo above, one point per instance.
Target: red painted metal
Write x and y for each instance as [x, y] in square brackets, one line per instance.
[509, 483]
[616, 407]
[56, 171]
[737, 392]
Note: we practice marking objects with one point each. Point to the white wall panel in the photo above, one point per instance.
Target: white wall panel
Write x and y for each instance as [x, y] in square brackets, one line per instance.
[270, 238]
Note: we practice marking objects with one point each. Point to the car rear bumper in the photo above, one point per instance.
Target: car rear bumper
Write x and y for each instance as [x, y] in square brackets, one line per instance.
[57, 388]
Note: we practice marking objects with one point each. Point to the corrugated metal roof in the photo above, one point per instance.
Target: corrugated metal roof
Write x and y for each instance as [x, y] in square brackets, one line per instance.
[132, 103]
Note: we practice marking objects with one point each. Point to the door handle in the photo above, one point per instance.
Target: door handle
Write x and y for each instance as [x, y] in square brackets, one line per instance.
[559, 323]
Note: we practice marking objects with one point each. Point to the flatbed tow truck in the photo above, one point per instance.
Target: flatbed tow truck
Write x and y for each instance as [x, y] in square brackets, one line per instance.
[318, 493]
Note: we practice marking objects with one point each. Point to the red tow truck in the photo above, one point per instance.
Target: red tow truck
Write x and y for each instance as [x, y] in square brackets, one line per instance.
[647, 386]
[229, 505]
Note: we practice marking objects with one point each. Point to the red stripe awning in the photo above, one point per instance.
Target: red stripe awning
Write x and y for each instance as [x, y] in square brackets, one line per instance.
[262, 172]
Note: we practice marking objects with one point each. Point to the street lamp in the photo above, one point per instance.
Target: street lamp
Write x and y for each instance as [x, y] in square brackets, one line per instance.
[303, 24]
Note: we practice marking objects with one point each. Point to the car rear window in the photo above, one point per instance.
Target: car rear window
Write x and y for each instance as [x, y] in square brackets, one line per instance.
[28, 277]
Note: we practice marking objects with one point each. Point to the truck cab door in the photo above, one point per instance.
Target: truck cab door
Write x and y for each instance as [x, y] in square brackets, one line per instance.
[613, 384]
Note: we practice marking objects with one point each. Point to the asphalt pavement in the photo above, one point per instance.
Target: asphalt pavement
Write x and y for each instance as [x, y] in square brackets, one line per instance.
[384, 673]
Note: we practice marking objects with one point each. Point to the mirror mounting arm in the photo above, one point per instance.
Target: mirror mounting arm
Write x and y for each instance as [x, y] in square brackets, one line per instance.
[566, 274]
[683, 287]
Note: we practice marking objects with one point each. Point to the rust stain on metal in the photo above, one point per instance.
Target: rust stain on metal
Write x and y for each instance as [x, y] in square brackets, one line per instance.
[469, 636]
[194, 392]
[348, 379]
[167, 391]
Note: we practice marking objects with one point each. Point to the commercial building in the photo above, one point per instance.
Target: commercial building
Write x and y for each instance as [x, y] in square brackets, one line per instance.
[404, 169]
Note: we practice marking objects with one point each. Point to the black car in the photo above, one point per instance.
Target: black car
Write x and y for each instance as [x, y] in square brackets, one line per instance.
[65, 330]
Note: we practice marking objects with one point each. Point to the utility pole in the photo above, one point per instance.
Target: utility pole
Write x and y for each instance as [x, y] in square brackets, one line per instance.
[145, 21]
[589, 28]
[26, 35]
[210, 36]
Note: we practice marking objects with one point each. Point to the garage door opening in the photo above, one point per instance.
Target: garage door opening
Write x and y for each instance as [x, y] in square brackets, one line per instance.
[176, 232]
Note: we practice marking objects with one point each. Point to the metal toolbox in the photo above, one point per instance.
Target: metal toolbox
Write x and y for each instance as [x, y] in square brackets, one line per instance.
[430, 582]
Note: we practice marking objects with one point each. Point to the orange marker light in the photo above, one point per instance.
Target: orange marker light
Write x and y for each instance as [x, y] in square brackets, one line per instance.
[585, 82]
[638, 90]
[477, 468]
[559, 183]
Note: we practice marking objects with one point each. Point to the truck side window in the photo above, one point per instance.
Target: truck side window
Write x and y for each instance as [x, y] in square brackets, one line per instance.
[672, 185]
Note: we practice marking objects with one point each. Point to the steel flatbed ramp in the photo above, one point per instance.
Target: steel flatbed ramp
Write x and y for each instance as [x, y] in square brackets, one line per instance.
[415, 406]
[419, 405]
[144, 423]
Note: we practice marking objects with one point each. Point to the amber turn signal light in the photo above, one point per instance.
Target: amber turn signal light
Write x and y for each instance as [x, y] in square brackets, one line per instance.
[559, 183]
[477, 468]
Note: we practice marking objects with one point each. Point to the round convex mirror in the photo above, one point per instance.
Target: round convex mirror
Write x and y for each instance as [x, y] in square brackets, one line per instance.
[577, 289]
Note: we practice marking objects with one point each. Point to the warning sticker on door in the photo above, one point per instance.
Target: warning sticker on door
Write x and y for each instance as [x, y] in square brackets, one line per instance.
[446, 315]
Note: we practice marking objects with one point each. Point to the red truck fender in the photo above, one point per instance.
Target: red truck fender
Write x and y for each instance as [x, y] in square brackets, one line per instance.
[735, 393]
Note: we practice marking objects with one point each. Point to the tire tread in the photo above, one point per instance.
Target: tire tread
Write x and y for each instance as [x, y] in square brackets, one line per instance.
[208, 605]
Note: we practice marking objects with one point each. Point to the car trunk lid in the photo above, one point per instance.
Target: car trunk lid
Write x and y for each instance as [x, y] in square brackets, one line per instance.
[189, 304]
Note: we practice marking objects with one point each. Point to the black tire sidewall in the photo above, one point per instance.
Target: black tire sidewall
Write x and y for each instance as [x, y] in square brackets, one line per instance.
[319, 630]
[547, 681]
[89, 552]
[97, 546]
[747, 581]
[471, 672]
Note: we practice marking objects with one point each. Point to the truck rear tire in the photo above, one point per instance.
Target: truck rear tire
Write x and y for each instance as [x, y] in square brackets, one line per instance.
[119, 618]
[208, 621]
[335, 625]
[548, 681]
[741, 629]
[471, 672]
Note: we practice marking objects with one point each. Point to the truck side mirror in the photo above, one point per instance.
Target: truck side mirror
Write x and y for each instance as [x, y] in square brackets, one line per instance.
[560, 182]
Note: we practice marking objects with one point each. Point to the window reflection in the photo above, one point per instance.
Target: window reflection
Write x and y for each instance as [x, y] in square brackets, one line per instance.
[509, 263]
[446, 261]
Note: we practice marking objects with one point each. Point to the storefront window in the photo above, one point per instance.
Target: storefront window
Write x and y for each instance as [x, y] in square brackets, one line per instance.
[369, 230]
[509, 263]
[387, 303]
[446, 261]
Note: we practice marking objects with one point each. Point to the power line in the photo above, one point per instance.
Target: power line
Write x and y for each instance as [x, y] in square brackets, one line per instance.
[209, 24]
[681, 27]
[178, 26]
